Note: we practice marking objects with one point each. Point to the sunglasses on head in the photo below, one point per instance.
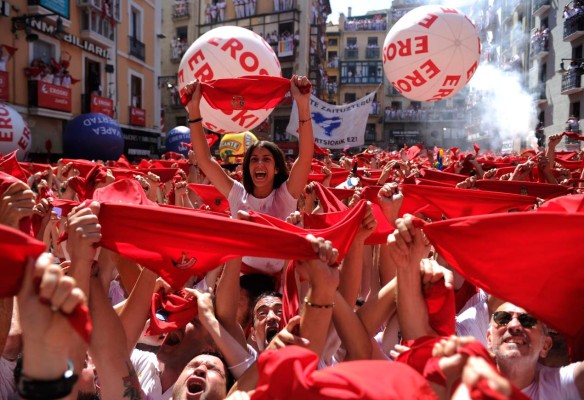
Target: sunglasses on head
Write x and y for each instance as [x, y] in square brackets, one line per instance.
[502, 318]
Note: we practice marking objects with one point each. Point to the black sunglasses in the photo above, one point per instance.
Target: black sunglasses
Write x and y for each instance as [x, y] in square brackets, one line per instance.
[502, 318]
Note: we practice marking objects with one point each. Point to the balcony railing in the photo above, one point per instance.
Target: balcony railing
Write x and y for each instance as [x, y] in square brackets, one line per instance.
[351, 54]
[375, 107]
[573, 27]
[370, 80]
[421, 114]
[372, 52]
[540, 7]
[571, 83]
[137, 48]
[180, 10]
[177, 49]
[368, 24]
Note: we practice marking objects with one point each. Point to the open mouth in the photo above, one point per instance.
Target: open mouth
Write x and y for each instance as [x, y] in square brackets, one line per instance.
[271, 332]
[260, 174]
[195, 387]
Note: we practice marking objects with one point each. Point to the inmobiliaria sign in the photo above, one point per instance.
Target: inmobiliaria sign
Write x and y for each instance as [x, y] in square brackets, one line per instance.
[102, 105]
[54, 97]
[137, 116]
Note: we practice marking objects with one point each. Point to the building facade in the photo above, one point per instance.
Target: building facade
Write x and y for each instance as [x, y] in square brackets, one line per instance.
[295, 29]
[73, 57]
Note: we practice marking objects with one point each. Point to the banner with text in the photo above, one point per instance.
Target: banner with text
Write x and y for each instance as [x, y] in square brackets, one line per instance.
[336, 127]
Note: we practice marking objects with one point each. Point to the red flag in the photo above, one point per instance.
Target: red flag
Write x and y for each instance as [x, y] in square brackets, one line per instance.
[573, 135]
[10, 50]
[536, 189]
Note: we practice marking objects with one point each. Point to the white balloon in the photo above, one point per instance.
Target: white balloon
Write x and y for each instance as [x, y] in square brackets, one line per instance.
[14, 133]
[431, 53]
[228, 52]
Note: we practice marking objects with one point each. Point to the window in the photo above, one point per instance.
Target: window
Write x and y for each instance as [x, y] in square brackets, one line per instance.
[370, 133]
[136, 23]
[182, 33]
[351, 42]
[43, 51]
[333, 42]
[372, 41]
[396, 105]
[350, 97]
[287, 73]
[416, 105]
[136, 91]
[575, 109]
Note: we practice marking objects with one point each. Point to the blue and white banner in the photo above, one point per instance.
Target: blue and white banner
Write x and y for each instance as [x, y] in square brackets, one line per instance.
[336, 127]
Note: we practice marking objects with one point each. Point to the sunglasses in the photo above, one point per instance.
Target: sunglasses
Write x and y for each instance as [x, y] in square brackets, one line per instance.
[502, 318]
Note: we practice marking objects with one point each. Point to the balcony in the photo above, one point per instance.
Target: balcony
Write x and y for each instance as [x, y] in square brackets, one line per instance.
[540, 45]
[541, 7]
[572, 83]
[333, 63]
[573, 27]
[178, 47]
[372, 53]
[180, 10]
[422, 114]
[379, 23]
[286, 48]
[100, 7]
[367, 80]
[375, 107]
[351, 54]
[137, 48]
[46, 95]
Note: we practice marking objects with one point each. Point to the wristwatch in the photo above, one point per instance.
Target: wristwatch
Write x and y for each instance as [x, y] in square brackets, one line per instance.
[34, 389]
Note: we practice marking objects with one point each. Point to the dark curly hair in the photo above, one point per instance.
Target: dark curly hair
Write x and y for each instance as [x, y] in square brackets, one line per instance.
[279, 160]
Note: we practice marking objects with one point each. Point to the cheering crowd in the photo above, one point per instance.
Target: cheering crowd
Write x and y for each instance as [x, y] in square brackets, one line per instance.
[417, 274]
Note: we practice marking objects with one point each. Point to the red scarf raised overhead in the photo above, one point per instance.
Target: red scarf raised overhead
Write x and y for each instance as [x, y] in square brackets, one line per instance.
[179, 243]
[15, 249]
[517, 257]
[536, 189]
[210, 196]
[169, 312]
[10, 166]
[453, 202]
[252, 92]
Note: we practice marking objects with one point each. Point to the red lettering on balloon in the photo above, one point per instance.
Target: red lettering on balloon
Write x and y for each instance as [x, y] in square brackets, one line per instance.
[442, 94]
[254, 61]
[446, 10]
[428, 21]
[205, 73]
[5, 123]
[241, 119]
[197, 57]
[26, 132]
[6, 136]
[451, 80]
[404, 48]
[22, 143]
[431, 69]
[233, 44]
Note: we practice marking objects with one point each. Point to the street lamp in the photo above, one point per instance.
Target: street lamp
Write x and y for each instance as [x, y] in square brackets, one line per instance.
[23, 23]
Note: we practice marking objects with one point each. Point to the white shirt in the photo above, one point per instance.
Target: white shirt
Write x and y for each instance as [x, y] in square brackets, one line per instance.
[553, 384]
[279, 204]
[7, 385]
[473, 318]
[148, 371]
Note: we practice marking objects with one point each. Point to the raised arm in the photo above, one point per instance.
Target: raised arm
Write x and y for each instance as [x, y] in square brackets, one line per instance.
[301, 168]
[407, 248]
[206, 162]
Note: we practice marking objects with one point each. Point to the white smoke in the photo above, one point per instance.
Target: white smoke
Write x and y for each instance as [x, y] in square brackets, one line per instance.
[506, 110]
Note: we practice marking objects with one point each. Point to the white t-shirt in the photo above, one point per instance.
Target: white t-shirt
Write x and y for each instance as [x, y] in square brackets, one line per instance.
[473, 319]
[554, 384]
[279, 204]
[7, 385]
[147, 368]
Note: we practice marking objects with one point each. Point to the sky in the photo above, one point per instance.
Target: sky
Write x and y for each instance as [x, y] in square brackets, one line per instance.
[360, 7]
